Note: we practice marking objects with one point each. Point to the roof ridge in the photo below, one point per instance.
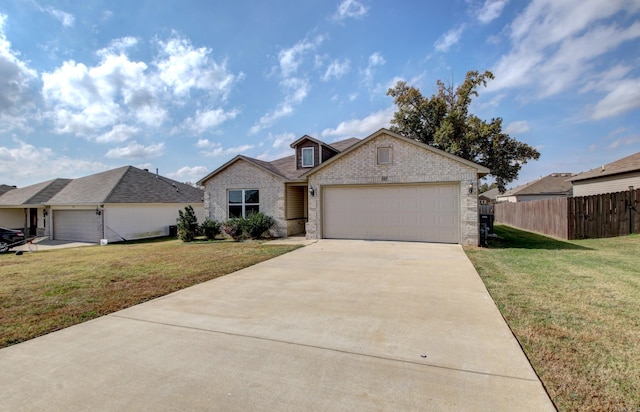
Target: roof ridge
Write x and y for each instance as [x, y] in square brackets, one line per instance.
[113, 188]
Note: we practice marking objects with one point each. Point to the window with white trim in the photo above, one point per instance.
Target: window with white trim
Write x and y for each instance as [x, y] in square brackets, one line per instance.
[307, 157]
[243, 202]
[384, 155]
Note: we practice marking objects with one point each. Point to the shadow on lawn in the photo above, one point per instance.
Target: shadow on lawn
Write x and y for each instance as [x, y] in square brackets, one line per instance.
[512, 238]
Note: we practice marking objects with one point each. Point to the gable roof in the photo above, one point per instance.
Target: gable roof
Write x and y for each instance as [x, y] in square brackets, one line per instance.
[37, 194]
[481, 169]
[126, 184]
[284, 167]
[553, 184]
[491, 193]
[624, 165]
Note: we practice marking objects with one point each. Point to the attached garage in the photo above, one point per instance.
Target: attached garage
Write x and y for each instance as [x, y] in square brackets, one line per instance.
[76, 225]
[415, 212]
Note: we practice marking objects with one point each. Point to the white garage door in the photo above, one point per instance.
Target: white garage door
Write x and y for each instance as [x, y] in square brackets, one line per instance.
[425, 213]
[76, 225]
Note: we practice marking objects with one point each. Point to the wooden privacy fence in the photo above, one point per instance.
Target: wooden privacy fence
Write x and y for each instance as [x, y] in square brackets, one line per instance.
[597, 216]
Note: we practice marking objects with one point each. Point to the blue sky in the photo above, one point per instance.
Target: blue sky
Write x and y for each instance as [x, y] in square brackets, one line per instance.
[183, 86]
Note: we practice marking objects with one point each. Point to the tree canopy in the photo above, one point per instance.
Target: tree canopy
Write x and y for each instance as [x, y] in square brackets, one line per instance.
[443, 121]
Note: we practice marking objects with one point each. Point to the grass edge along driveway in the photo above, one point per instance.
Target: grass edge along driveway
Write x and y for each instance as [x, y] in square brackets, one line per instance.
[573, 306]
[47, 291]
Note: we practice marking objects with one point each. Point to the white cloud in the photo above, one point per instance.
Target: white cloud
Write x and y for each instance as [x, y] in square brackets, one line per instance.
[282, 140]
[362, 127]
[336, 69]
[204, 120]
[13, 159]
[560, 44]
[89, 99]
[448, 39]
[183, 67]
[136, 151]
[291, 58]
[283, 109]
[624, 141]
[350, 9]
[66, 19]
[189, 174]
[214, 149]
[17, 84]
[295, 88]
[517, 127]
[622, 97]
[118, 134]
[375, 59]
[491, 10]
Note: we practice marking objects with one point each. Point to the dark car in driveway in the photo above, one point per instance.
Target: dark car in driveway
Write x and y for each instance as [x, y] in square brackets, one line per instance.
[8, 237]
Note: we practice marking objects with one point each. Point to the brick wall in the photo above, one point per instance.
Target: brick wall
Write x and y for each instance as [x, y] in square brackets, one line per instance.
[244, 175]
[411, 163]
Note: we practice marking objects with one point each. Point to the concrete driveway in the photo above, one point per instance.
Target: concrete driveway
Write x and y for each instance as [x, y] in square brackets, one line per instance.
[334, 326]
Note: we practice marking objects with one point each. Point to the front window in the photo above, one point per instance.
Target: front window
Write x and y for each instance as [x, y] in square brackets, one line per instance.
[307, 157]
[243, 202]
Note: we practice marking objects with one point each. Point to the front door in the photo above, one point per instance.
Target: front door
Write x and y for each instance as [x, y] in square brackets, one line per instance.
[33, 222]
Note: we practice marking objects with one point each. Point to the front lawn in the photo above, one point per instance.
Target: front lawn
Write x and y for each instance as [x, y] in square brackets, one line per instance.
[46, 291]
[575, 308]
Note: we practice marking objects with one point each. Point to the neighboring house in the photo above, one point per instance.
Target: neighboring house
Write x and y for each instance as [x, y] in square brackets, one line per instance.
[24, 208]
[549, 187]
[120, 204]
[384, 187]
[5, 188]
[488, 197]
[610, 178]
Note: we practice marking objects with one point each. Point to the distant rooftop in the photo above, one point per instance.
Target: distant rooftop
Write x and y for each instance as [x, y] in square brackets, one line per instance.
[553, 184]
[624, 165]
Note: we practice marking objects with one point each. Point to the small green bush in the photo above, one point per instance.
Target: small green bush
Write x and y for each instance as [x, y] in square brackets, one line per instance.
[257, 224]
[211, 228]
[234, 228]
[187, 224]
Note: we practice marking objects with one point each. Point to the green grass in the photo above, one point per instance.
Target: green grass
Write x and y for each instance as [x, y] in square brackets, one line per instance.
[46, 291]
[574, 306]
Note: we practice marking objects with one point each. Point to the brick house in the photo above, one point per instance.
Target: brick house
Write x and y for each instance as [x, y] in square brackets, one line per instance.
[383, 187]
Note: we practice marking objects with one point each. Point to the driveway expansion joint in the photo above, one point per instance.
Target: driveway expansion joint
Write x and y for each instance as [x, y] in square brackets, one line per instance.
[306, 345]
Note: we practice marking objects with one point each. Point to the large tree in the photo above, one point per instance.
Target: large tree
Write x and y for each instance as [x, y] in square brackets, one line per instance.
[444, 121]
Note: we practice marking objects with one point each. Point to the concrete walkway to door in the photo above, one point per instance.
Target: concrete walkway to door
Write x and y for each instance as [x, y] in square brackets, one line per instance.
[334, 326]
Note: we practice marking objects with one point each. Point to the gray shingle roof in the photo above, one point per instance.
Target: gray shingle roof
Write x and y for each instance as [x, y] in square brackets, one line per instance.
[37, 194]
[284, 167]
[624, 165]
[553, 184]
[5, 188]
[126, 185]
[491, 193]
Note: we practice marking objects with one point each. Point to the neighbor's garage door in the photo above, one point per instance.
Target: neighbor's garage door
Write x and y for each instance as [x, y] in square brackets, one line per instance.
[426, 213]
[76, 225]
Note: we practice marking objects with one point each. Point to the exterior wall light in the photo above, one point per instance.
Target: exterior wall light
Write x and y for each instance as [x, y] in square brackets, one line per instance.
[470, 187]
[45, 213]
[312, 192]
[98, 211]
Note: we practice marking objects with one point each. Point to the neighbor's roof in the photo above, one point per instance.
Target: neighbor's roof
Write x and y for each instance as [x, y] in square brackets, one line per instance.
[5, 188]
[553, 184]
[284, 167]
[491, 193]
[37, 194]
[126, 184]
[625, 165]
